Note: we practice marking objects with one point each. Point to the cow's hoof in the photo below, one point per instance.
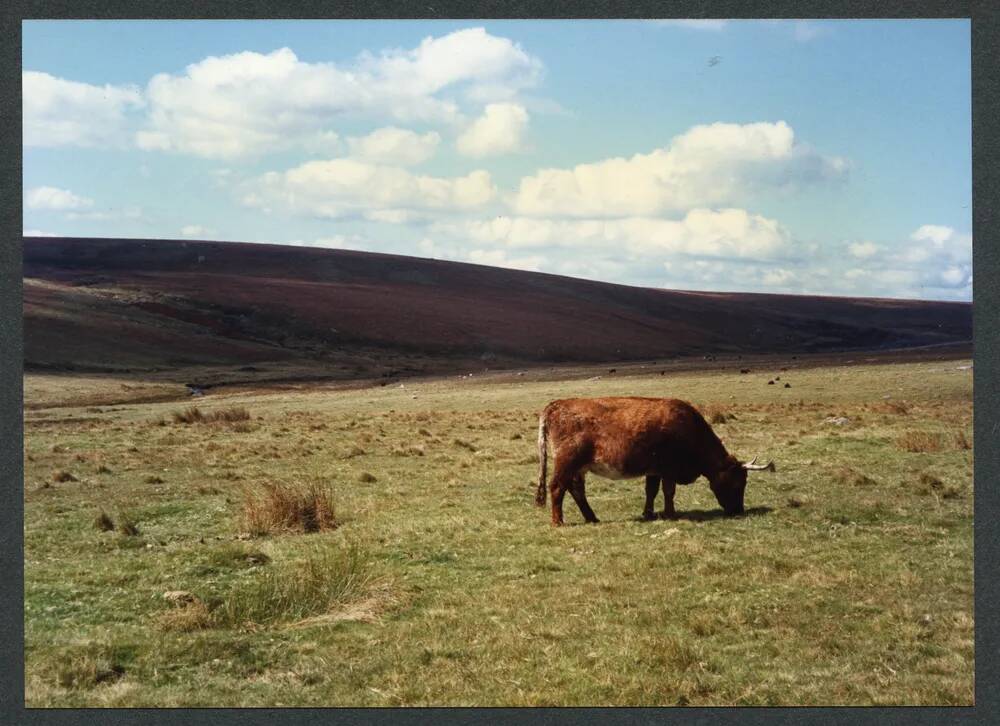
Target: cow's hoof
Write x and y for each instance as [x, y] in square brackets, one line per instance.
[648, 516]
[595, 520]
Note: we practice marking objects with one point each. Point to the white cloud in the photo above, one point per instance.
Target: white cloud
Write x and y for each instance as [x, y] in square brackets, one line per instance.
[195, 230]
[38, 233]
[111, 214]
[933, 233]
[713, 165]
[395, 146]
[729, 233]
[55, 199]
[862, 249]
[346, 187]
[58, 112]
[498, 131]
[779, 276]
[250, 103]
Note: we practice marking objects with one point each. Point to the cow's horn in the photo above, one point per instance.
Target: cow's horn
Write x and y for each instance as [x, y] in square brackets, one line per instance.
[753, 466]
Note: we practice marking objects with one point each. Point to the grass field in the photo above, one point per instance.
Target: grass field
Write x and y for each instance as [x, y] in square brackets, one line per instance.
[849, 580]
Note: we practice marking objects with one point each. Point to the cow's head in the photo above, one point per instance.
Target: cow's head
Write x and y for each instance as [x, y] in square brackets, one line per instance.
[729, 484]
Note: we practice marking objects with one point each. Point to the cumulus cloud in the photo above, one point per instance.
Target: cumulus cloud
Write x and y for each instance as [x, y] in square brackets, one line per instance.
[394, 146]
[711, 165]
[730, 233]
[498, 131]
[58, 112]
[862, 249]
[349, 187]
[250, 103]
[55, 199]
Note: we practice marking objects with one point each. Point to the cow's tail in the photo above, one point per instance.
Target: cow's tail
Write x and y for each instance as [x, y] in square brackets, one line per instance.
[543, 451]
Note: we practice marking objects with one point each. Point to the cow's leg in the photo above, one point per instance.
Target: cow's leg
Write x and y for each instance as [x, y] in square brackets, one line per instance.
[562, 478]
[579, 492]
[652, 487]
[669, 487]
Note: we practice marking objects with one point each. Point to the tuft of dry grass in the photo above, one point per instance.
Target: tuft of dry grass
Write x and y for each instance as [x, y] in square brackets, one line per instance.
[897, 408]
[962, 442]
[367, 478]
[103, 522]
[919, 442]
[63, 476]
[845, 475]
[193, 415]
[186, 617]
[281, 507]
[127, 525]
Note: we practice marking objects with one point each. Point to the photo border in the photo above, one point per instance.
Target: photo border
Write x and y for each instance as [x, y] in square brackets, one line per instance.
[985, 34]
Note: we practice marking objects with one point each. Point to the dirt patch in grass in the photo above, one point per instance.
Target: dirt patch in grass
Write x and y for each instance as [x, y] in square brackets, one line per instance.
[276, 507]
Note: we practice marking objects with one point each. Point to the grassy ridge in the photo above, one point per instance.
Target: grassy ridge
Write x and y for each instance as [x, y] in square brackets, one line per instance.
[850, 580]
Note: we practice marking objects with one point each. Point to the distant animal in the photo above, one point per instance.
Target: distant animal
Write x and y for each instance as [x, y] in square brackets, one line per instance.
[612, 371]
[744, 370]
[665, 440]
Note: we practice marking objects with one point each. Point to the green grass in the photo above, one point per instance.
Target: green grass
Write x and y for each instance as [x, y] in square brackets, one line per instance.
[848, 582]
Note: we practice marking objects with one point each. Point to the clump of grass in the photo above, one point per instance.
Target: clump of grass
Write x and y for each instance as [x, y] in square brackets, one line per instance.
[193, 415]
[153, 479]
[186, 617]
[461, 443]
[355, 450]
[930, 484]
[127, 525]
[88, 666]
[367, 478]
[103, 522]
[845, 475]
[62, 476]
[327, 577]
[282, 507]
[103, 469]
[897, 408]
[919, 442]
[189, 415]
[962, 442]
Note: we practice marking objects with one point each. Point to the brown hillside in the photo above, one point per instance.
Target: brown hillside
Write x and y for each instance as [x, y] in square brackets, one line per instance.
[110, 303]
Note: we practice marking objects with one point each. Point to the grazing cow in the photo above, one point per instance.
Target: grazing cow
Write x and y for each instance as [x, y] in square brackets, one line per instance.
[663, 439]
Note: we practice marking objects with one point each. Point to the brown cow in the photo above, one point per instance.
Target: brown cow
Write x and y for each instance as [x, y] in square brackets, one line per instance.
[664, 439]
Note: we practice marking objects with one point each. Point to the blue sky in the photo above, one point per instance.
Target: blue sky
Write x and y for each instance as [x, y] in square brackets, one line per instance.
[823, 157]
